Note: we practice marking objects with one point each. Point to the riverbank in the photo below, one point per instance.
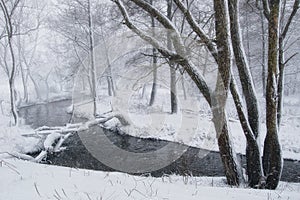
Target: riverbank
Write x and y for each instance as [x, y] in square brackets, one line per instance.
[192, 124]
[53, 114]
[26, 180]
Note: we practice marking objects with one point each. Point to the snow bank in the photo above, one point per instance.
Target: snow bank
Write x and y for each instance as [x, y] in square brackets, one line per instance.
[156, 122]
[26, 180]
[12, 139]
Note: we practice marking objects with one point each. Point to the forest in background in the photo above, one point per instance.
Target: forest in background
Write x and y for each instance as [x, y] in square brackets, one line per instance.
[253, 45]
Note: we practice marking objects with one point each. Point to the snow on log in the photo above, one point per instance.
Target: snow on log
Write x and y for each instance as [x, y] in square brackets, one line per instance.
[74, 125]
[57, 147]
[21, 156]
[50, 139]
[47, 128]
[41, 156]
[53, 137]
[111, 115]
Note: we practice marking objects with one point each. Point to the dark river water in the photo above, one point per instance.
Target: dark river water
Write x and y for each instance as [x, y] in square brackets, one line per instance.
[84, 150]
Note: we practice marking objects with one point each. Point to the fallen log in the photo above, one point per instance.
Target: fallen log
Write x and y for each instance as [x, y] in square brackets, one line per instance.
[53, 138]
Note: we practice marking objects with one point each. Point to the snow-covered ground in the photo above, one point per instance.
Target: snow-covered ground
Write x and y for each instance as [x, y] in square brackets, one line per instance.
[11, 139]
[25, 180]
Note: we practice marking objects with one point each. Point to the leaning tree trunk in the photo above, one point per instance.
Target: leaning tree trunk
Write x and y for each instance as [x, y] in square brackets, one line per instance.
[232, 169]
[253, 157]
[223, 58]
[228, 156]
[254, 169]
[272, 158]
[243, 67]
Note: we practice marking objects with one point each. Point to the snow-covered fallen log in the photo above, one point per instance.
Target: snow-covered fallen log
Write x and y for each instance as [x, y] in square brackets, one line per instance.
[47, 128]
[58, 147]
[119, 116]
[41, 156]
[52, 138]
[21, 156]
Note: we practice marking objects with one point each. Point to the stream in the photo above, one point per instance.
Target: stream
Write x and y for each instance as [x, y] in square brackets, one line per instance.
[194, 161]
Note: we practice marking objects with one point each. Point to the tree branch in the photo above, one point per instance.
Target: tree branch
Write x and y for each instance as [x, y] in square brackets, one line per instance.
[290, 19]
[266, 8]
[165, 52]
[194, 25]
[177, 58]
[290, 58]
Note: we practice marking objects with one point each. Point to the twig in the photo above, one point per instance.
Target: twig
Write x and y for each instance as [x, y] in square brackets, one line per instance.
[36, 189]
[88, 196]
[11, 166]
[64, 193]
[57, 194]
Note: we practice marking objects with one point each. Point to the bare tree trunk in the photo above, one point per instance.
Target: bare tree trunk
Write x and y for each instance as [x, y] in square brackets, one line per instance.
[263, 59]
[281, 58]
[228, 156]
[253, 157]
[216, 100]
[24, 83]
[154, 83]
[232, 169]
[154, 65]
[248, 39]
[183, 87]
[36, 87]
[272, 158]
[109, 89]
[47, 85]
[254, 169]
[243, 68]
[280, 81]
[92, 59]
[173, 89]
[205, 63]
[12, 90]
[109, 78]
[24, 76]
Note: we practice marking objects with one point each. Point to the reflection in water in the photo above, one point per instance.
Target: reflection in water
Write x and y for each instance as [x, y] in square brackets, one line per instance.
[51, 114]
